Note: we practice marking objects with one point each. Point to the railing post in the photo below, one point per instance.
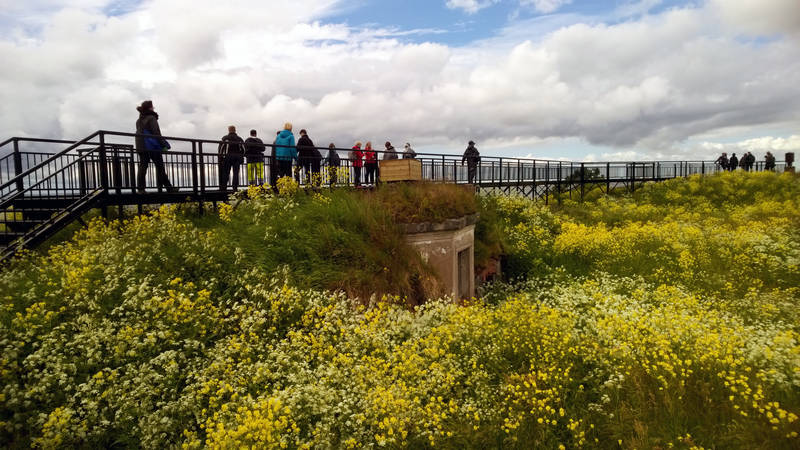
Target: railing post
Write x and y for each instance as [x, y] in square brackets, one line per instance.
[558, 183]
[103, 171]
[202, 169]
[547, 182]
[444, 178]
[533, 192]
[18, 165]
[501, 172]
[703, 167]
[633, 177]
[583, 179]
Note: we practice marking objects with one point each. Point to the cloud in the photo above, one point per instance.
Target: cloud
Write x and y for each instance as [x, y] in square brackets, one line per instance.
[759, 17]
[647, 85]
[470, 6]
[545, 6]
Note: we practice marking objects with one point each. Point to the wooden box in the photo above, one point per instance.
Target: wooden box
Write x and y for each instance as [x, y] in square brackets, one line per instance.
[400, 170]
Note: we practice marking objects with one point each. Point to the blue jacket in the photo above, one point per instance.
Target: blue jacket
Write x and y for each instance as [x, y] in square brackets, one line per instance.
[285, 149]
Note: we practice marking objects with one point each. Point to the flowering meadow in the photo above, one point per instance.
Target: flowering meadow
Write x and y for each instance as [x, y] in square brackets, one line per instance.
[664, 319]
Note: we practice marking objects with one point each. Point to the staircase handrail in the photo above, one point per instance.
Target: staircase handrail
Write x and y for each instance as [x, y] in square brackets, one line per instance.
[33, 169]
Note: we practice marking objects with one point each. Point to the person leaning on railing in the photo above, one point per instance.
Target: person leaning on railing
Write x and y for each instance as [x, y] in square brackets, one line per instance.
[769, 161]
[356, 156]
[231, 151]
[255, 159]
[150, 146]
[333, 162]
[408, 152]
[370, 164]
[285, 151]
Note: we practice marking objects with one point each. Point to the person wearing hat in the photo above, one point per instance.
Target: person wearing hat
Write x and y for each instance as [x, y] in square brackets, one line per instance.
[472, 158]
[408, 152]
[149, 147]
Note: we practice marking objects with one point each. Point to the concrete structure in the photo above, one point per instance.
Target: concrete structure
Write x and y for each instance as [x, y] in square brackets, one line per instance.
[449, 247]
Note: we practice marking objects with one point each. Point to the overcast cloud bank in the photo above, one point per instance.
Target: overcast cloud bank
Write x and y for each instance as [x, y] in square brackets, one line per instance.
[648, 86]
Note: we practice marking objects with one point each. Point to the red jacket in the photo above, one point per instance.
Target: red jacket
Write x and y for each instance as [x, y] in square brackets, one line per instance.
[356, 156]
[370, 156]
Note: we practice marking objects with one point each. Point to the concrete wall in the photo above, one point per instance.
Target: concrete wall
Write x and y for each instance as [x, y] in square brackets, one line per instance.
[440, 249]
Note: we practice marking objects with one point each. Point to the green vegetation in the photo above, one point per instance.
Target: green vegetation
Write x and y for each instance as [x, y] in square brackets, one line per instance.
[663, 319]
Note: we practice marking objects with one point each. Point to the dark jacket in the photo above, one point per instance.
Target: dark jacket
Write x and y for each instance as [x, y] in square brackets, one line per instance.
[147, 123]
[333, 158]
[733, 162]
[254, 149]
[306, 150]
[722, 161]
[232, 145]
[471, 156]
[391, 153]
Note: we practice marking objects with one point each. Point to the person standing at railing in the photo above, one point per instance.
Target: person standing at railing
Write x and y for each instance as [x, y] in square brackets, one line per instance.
[254, 151]
[356, 156]
[231, 151]
[733, 162]
[149, 146]
[309, 158]
[285, 151]
[769, 162]
[370, 164]
[472, 157]
[722, 161]
[408, 152]
[333, 162]
[749, 161]
[390, 152]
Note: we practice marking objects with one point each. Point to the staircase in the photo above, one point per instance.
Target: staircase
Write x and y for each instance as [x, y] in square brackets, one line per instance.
[46, 197]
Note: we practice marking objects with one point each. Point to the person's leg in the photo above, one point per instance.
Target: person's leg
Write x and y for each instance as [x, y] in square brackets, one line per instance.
[260, 173]
[224, 173]
[251, 173]
[161, 172]
[236, 165]
[144, 161]
[316, 176]
[357, 175]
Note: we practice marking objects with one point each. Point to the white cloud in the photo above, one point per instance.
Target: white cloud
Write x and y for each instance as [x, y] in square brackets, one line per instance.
[643, 86]
[545, 6]
[470, 6]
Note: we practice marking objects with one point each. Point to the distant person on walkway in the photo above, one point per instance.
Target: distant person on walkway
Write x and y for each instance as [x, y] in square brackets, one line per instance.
[285, 151]
[390, 152]
[722, 161]
[769, 162]
[254, 151]
[231, 150]
[370, 164]
[750, 161]
[333, 162]
[408, 152]
[150, 148]
[472, 158]
[355, 157]
[309, 158]
[733, 162]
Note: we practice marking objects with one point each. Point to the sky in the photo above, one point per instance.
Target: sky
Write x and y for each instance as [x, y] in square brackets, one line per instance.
[557, 79]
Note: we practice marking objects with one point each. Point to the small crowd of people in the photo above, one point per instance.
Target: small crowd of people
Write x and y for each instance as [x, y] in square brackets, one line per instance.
[288, 158]
[746, 162]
